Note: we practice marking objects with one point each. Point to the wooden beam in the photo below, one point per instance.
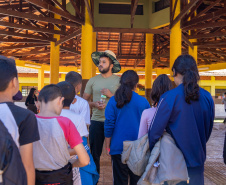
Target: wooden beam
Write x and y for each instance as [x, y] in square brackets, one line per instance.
[215, 42]
[29, 53]
[26, 27]
[208, 35]
[56, 2]
[204, 18]
[35, 17]
[89, 12]
[211, 58]
[71, 50]
[173, 10]
[208, 8]
[131, 57]
[76, 8]
[185, 39]
[55, 10]
[213, 51]
[22, 41]
[194, 8]
[28, 36]
[122, 41]
[134, 4]
[206, 25]
[22, 46]
[212, 46]
[184, 12]
[132, 30]
[69, 37]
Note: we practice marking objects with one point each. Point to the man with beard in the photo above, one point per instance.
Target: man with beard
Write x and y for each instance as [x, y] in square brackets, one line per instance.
[101, 88]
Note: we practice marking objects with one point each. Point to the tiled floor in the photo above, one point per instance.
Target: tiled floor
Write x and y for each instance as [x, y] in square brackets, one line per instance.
[215, 173]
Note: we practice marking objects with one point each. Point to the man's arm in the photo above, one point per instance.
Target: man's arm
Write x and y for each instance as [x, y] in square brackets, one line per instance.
[26, 152]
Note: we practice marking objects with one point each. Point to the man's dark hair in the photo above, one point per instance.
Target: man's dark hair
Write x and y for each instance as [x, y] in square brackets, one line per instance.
[73, 78]
[224, 93]
[68, 92]
[8, 71]
[49, 93]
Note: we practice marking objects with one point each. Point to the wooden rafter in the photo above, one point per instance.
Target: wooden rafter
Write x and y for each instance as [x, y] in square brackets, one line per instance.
[36, 18]
[76, 8]
[68, 37]
[26, 27]
[134, 4]
[208, 8]
[89, 12]
[132, 30]
[185, 39]
[184, 12]
[204, 18]
[208, 35]
[55, 10]
[28, 36]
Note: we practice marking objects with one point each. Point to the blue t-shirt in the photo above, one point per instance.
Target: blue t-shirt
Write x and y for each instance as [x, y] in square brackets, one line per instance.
[189, 124]
[122, 124]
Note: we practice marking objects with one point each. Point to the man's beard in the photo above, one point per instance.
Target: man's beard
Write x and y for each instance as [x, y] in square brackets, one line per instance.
[103, 71]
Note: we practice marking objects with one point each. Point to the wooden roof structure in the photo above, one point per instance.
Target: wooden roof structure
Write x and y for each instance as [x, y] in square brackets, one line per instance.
[27, 28]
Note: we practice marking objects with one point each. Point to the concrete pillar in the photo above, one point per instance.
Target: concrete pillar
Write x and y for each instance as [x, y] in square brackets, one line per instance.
[193, 52]
[86, 51]
[40, 78]
[94, 68]
[175, 37]
[54, 58]
[148, 66]
[212, 89]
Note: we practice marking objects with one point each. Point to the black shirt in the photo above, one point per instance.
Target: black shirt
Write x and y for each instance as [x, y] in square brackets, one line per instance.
[21, 123]
[30, 100]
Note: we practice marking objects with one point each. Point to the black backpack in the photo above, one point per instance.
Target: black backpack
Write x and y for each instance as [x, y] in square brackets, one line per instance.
[12, 171]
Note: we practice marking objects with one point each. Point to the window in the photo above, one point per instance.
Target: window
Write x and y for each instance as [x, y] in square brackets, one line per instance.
[162, 4]
[123, 9]
[26, 90]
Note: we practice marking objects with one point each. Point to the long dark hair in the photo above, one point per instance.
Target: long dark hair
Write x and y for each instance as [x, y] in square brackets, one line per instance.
[128, 82]
[161, 85]
[186, 66]
[32, 92]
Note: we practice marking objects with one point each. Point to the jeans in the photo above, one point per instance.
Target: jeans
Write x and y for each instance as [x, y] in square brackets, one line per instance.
[96, 140]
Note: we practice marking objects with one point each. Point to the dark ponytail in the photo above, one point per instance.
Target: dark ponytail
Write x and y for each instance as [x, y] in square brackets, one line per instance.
[186, 66]
[128, 82]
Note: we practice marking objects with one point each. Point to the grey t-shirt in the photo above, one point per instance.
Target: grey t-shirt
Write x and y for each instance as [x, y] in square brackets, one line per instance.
[94, 87]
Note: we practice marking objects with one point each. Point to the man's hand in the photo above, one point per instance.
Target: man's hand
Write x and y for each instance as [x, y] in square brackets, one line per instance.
[106, 92]
[99, 105]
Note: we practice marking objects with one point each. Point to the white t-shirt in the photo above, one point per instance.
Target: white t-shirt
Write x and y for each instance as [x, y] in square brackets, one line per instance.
[78, 121]
[81, 107]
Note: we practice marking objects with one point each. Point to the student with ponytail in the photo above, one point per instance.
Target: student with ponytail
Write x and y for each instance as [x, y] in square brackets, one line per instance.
[123, 113]
[187, 114]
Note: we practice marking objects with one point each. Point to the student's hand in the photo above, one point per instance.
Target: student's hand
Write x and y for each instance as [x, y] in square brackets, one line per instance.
[106, 92]
[108, 152]
[107, 146]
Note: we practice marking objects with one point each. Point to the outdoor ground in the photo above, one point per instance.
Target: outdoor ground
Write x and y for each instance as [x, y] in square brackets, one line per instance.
[215, 170]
